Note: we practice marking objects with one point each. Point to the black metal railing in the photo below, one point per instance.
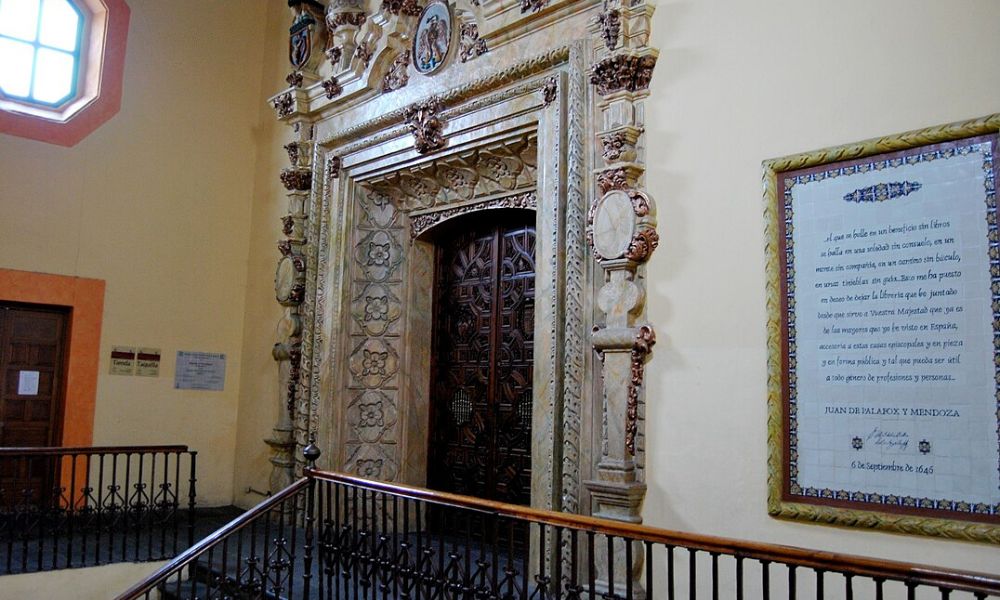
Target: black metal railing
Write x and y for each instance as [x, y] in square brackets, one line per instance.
[77, 507]
[334, 536]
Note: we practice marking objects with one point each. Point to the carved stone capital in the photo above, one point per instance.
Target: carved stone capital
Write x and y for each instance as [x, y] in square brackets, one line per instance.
[620, 145]
[623, 177]
[297, 179]
[623, 72]
[426, 126]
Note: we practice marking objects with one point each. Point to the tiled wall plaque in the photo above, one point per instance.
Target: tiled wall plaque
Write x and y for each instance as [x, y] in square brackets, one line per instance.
[885, 359]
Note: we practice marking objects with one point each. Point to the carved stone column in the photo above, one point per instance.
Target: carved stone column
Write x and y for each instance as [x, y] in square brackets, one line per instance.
[306, 35]
[622, 232]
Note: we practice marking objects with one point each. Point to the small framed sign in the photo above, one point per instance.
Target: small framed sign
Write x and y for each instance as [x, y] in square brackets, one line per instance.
[883, 262]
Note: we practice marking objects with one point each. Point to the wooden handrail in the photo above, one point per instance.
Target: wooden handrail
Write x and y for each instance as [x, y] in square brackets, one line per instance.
[191, 554]
[57, 451]
[970, 581]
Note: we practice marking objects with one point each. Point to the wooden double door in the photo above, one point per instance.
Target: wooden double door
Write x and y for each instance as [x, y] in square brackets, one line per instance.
[483, 347]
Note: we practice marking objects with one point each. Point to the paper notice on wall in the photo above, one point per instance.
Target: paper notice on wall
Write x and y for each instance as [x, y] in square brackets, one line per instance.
[200, 371]
[148, 362]
[122, 360]
[27, 383]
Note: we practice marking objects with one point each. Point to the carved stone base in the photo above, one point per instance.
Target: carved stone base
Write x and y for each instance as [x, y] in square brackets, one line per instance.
[282, 459]
[617, 501]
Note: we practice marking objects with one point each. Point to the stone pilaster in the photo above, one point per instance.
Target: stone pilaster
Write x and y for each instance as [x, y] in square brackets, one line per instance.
[622, 231]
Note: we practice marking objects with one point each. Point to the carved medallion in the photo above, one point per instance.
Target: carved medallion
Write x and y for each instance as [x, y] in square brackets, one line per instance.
[613, 225]
[432, 40]
[286, 277]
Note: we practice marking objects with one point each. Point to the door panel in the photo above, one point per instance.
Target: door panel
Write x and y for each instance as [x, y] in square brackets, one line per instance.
[480, 442]
[32, 342]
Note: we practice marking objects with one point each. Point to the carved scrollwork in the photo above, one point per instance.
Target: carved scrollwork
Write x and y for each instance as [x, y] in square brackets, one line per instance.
[645, 241]
[401, 7]
[287, 224]
[613, 179]
[334, 54]
[364, 53]
[644, 339]
[611, 27]
[335, 20]
[550, 90]
[284, 105]
[620, 145]
[398, 75]
[297, 179]
[532, 5]
[422, 223]
[426, 126]
[628, 72]
[471, 45]
[293, 153]
[332, 88]
[333, 165]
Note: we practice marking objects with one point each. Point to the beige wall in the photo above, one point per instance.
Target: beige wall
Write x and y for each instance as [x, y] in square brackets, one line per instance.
[259, 404]
[157, 203]
[738, 83]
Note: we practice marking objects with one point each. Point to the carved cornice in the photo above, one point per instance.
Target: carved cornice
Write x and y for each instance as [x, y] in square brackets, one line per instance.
[610, 22]
[459, 94]
[644, 339]
[297, 180]
[426, 126]
[623, 72]
[419, 224]
[331, 88]
[398, 75]
[471, 45]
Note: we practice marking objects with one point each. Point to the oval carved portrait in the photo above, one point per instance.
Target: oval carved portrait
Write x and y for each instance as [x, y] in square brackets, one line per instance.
[432, 40]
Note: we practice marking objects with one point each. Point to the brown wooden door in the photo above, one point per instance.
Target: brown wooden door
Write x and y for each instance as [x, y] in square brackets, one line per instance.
[481, 390]
[32, 341]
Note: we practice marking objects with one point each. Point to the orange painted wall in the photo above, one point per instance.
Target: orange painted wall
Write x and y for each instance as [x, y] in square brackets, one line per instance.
[85, 298]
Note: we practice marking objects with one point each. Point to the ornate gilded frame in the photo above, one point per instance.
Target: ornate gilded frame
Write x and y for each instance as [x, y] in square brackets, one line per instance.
[779, 504]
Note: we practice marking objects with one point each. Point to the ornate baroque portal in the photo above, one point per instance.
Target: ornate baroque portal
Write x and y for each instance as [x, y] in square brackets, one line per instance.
[535, 105]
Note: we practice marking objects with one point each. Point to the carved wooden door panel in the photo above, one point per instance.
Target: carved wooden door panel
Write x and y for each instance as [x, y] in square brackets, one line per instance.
[481, 390]
[31, 393]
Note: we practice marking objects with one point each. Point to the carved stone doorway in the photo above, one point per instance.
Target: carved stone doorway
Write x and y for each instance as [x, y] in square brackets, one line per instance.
[482, 357]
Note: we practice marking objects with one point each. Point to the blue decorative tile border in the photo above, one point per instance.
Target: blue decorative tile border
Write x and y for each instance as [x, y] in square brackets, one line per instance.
[881, 193]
